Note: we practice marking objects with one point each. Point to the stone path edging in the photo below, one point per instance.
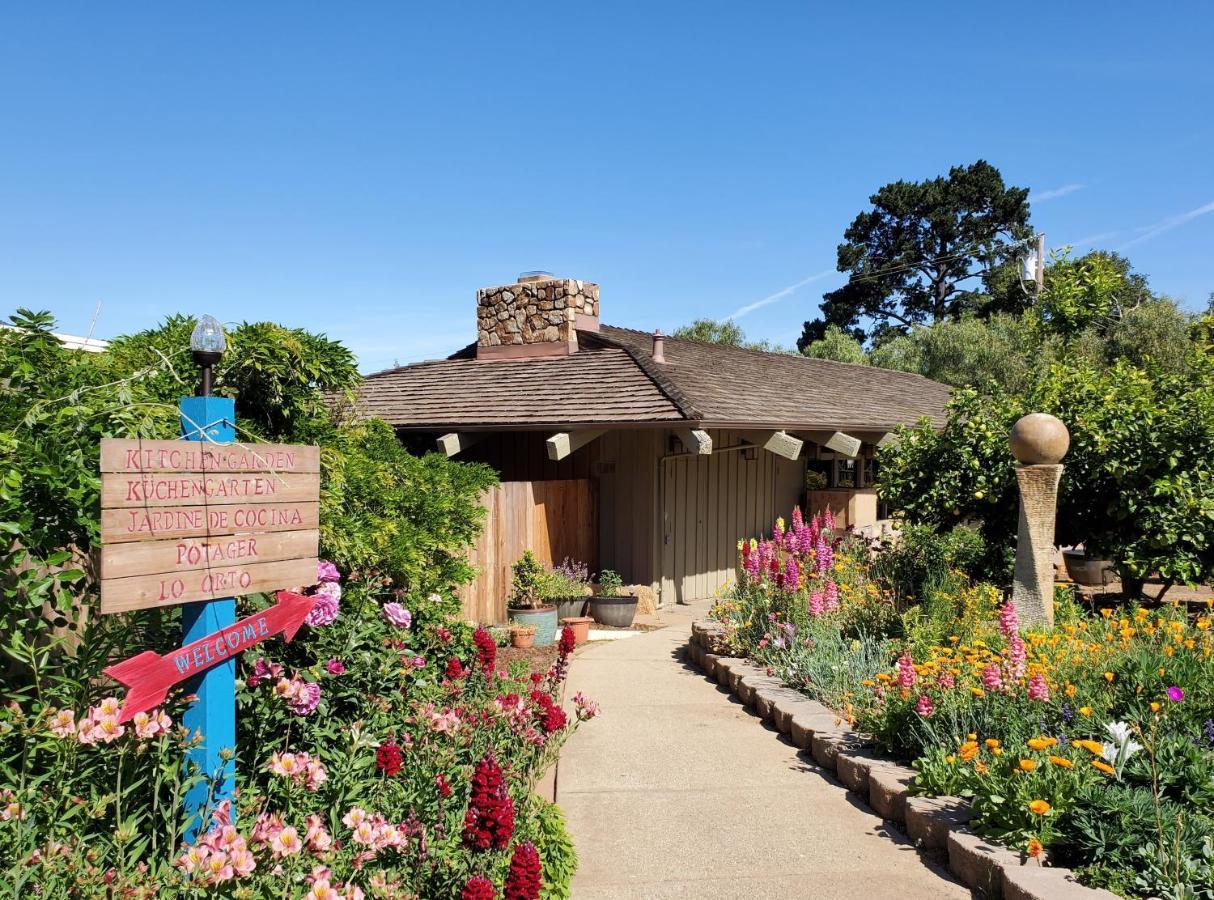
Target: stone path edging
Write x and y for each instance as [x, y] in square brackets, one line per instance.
[933, 823]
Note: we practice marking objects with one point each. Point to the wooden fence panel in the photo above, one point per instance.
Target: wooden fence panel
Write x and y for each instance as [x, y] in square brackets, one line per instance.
[553, 519]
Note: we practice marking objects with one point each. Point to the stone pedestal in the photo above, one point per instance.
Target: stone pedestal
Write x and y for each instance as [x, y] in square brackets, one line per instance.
[1033, 586]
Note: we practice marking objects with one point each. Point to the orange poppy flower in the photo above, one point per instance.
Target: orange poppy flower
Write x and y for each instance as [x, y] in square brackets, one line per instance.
[1039, 807]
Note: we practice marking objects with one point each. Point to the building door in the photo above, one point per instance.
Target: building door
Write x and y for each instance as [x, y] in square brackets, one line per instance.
[709, 503]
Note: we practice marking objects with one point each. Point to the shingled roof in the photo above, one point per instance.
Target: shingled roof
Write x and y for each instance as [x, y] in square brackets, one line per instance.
[613, 381]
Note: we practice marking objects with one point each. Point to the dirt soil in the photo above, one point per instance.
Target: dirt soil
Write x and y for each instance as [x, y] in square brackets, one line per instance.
[538, 659]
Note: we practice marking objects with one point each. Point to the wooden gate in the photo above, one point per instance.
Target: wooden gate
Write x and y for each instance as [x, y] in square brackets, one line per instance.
[553, 519]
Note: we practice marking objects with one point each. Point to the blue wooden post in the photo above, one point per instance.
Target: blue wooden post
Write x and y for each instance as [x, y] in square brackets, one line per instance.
[214, 713]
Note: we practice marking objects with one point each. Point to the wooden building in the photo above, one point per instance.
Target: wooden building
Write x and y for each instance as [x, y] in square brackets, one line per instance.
[640, 453]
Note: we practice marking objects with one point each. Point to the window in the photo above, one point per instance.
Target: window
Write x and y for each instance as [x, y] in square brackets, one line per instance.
[846, 473]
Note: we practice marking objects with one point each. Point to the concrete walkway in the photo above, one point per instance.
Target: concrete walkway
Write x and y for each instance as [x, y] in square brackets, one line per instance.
[677, 791]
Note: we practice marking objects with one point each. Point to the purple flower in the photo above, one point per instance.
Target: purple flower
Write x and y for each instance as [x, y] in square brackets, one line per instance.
[335, 667]
[398, 615]
[328, 597]
[1175, 694]
[419, 662]
[327, 572]
[306, 701]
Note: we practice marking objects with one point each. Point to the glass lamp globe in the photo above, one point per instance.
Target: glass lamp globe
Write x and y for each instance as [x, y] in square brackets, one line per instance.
[208, 336]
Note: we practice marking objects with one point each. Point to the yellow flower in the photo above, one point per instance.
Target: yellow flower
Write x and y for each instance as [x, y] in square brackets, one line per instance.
[1027, 765]
[968, 750]
[1085, 710]
[950, 759]
[992, 742]
[977, 692]
[1061, 761]
[1108, 676]
[1155, 707]
[1039, 807]
[1103, 767]
[998, 751]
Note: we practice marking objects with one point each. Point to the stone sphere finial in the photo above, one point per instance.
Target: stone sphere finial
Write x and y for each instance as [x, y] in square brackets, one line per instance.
[1039, 439]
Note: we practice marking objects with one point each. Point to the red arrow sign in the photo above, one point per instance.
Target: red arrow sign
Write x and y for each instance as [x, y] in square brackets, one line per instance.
[149, 675]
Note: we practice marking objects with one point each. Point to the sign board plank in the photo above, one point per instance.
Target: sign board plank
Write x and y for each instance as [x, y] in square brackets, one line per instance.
[121, 455]
[120, 489]
[161, 523]
[148, 591]
[216, 552]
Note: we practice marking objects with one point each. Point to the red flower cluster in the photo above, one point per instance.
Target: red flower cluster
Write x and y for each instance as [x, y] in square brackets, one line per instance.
[564, 650]
[388, 758]
[523, 881]
[455, 669]
[486, 651]
[478, 887]
[548, 714]
[444, 789]
[489, 821]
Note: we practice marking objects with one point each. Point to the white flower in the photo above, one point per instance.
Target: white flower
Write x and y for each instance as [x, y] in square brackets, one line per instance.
[1123, 747]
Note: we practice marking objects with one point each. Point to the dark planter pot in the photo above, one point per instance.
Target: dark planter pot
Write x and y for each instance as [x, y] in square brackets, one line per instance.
[617, 612]
[544, 620]
[569, 607]
[1086, 571]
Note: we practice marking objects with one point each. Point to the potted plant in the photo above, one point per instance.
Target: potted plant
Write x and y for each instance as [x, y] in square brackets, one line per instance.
[528, 604]
[522, 636]
[568, 586]
[613, 605]
[1088, 570]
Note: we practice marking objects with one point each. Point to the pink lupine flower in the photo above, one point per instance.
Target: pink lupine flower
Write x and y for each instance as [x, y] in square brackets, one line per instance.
[1009, 622]
[792, 575]
[798, 521]
[824, 556]
[946, 679]
[1038, 689]
[906, 670]
[828, 520]
[398, 615]
[992, 678]
[832, 596]
[1017, 656]
[925, 707]
[816, 604]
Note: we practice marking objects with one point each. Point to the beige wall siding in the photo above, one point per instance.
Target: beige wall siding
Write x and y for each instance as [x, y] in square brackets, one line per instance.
[708, 503]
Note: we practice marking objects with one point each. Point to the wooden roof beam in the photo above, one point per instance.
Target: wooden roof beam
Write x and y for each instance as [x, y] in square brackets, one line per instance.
[458, 441]
[564, 443]
[696, 440]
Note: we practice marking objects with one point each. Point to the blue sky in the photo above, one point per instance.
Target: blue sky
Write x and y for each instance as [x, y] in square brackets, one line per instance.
[360, 169]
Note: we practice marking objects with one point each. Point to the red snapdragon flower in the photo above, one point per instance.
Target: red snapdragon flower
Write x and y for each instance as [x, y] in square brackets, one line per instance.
[444, 789]
[489, 821]
[388, 758]
[478, 887]
[455, 669]
[523, 881]
[486, 651]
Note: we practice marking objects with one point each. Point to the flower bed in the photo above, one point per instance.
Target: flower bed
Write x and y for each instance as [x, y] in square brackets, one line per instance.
[383, 753]
[1091, 745]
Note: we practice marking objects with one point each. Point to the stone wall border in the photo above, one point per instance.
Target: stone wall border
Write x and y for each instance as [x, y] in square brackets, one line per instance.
[936, 824]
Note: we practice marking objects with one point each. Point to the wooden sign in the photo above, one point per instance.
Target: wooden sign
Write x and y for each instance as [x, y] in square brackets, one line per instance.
[158, 523]
[186, 488]
[171, 588]
[187, 553]
[148, 676]
[185, 521]
[119, 455]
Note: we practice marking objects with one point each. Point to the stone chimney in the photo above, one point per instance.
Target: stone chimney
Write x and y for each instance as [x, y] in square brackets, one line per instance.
[539, 315]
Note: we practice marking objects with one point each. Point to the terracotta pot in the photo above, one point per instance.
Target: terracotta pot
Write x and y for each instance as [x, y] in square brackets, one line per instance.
[522, 640]
[543, 618]
[580, 626]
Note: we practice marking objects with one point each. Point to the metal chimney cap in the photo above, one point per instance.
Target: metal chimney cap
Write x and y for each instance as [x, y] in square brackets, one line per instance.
[535, 275]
